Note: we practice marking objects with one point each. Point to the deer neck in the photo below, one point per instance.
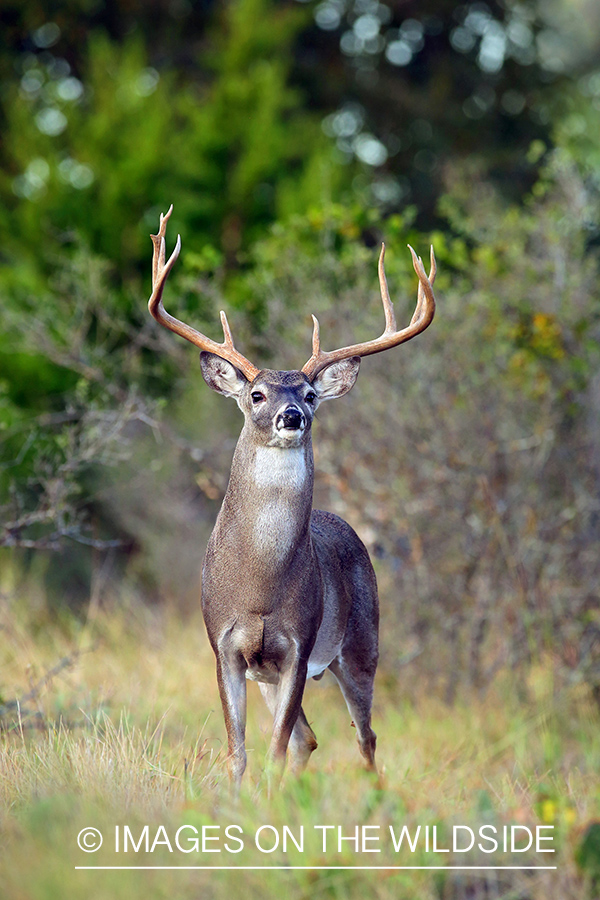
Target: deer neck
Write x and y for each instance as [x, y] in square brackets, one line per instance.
[268, 503]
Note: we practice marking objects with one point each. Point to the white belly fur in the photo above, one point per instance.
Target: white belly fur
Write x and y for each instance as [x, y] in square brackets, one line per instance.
[329, 638]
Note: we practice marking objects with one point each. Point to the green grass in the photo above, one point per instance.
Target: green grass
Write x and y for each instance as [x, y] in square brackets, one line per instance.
[129, 732]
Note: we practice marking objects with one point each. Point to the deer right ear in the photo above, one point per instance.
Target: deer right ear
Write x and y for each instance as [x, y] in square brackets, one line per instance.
[221, 376]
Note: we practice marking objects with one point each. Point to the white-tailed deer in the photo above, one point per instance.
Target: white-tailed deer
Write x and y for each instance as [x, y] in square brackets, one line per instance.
[287, 591]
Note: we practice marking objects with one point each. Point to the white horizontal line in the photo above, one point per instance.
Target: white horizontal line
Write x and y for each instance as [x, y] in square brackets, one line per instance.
[314, 868]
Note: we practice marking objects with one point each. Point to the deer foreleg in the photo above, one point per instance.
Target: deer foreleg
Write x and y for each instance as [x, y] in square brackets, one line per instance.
[302, 740]
[232, 689]
[287, 708]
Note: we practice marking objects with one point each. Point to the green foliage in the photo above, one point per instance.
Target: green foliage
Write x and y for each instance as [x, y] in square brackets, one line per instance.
[587, 854]
[98, 157]
[576, 127]
[541, 249]
[88, 163]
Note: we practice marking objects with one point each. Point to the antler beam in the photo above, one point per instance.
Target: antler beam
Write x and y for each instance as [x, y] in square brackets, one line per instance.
[160, 273]
[391, 337]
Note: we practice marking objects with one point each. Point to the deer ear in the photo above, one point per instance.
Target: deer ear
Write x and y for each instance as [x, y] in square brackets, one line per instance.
[336, 379]
[221, 376]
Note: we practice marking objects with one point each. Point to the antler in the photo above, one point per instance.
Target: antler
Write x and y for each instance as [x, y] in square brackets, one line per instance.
[160, 273]
[422, 317]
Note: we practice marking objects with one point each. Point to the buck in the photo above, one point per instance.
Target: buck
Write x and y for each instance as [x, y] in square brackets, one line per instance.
[287, 591]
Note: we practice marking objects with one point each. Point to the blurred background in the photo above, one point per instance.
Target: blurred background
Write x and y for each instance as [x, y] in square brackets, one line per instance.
[292, 137]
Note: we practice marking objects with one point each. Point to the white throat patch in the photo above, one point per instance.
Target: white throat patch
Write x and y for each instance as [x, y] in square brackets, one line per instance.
[282, 472]
[280, 467]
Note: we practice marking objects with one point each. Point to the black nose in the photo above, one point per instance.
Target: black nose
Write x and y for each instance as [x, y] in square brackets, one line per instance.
[290, 418]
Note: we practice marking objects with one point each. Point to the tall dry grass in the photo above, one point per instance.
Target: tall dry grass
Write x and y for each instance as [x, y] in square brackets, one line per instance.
[117, 722]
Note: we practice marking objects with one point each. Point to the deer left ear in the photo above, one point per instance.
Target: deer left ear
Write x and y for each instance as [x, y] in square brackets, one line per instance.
[336, 379]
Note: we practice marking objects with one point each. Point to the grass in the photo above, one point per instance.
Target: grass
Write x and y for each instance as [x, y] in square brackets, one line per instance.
[119, 724]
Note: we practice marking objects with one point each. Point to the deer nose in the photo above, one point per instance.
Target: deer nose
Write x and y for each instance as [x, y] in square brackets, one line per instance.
[291, 417]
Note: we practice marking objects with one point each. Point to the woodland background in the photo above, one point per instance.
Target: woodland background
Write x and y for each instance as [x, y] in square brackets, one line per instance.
[292, 137]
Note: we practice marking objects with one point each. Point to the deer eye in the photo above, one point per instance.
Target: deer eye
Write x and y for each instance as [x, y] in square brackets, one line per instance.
[257, 397]
[311, 397]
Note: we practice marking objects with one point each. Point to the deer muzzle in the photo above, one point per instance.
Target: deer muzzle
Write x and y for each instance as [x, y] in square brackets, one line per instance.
[291, 419]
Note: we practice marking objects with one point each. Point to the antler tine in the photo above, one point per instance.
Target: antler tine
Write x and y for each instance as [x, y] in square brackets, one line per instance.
[160, 273]
[226, 329]
[316, 339]
[388, 306]
[316, 349]
[423, 281]
[158, 240]
[391, 337]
